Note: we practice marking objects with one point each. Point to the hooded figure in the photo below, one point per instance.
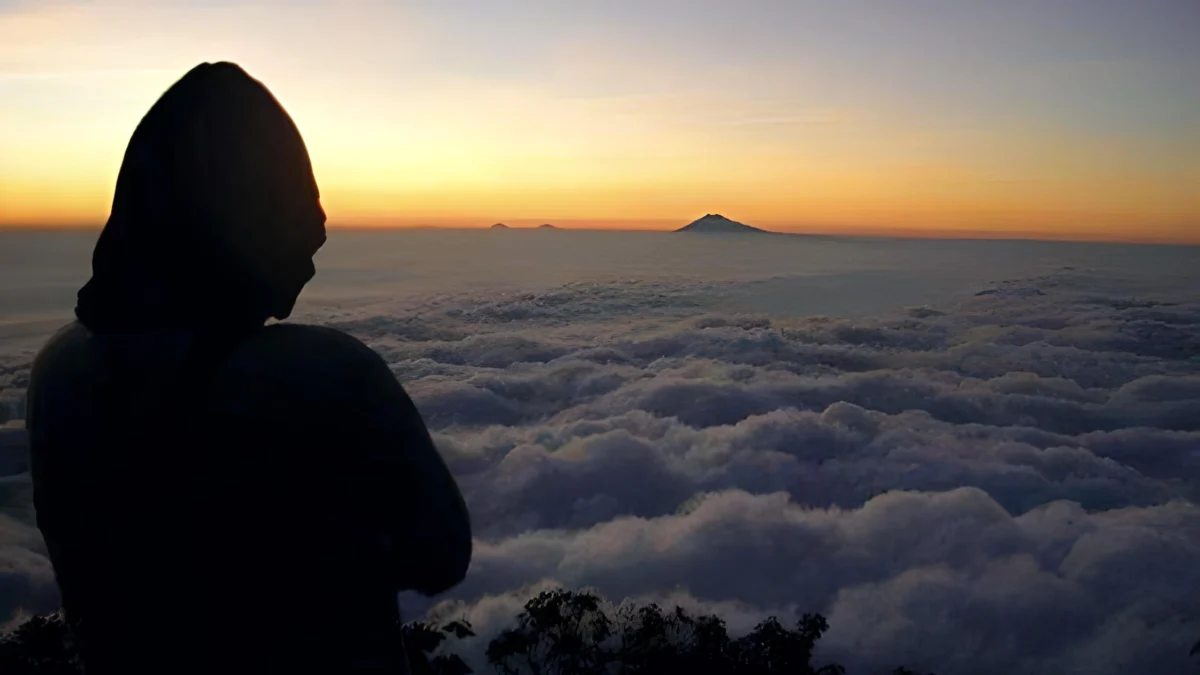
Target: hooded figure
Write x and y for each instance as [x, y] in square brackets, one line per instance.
[218, 495]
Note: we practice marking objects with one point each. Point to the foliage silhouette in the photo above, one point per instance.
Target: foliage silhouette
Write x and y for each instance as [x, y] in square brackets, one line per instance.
[559, 632]
[421, 642]
[563, 632]
[41, 645]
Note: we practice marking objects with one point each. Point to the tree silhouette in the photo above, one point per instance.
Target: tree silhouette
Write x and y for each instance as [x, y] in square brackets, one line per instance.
[421, 642]
[559, 632]
[563, 632]
[43, 645]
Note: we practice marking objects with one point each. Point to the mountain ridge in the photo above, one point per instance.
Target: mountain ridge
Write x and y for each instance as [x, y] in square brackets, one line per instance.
[717, 223]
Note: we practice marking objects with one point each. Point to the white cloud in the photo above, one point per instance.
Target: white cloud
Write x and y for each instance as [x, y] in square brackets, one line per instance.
[1008, 485]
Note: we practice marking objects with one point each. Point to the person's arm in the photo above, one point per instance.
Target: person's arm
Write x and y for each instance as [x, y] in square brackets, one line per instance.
[394, 492]
[426, 530]
[419, 514]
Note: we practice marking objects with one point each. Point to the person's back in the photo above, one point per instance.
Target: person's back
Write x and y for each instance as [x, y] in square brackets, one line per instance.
[215, 494]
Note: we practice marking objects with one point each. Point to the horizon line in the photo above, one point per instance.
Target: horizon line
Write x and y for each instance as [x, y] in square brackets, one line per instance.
[827, 232]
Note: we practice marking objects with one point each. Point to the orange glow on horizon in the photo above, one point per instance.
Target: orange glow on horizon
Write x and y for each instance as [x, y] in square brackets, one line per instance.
[641, 146]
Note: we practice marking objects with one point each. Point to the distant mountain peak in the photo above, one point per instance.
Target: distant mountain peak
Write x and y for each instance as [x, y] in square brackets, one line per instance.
[499, 226]
[715, 222]
[547, 226]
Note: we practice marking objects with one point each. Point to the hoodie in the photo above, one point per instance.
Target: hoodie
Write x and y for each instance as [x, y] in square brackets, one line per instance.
[214, 491]
[216, 214]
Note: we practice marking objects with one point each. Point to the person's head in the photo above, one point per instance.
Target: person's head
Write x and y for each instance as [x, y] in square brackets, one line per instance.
[216, 215]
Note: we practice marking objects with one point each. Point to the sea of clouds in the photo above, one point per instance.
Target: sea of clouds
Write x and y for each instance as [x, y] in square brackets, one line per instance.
[1008, 482]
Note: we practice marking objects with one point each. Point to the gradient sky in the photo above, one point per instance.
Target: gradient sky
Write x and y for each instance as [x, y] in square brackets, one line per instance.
[1052, 118]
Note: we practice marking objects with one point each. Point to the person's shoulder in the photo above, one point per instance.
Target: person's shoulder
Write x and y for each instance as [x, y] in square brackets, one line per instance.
[69, 336]
[65, 345]
[288, 352]
[64, 366]
[289, 336]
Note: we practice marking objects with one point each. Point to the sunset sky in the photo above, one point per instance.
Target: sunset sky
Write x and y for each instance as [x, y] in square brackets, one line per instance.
[1054, 118]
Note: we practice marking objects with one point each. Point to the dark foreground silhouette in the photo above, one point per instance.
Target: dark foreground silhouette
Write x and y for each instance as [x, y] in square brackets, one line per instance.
[218, 495]
[559, 632]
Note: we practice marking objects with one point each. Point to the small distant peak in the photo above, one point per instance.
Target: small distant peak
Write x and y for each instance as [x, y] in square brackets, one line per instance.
[715, 222]
[499, 226]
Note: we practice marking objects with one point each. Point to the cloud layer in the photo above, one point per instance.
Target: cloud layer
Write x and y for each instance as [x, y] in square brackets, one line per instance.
[1007, 485]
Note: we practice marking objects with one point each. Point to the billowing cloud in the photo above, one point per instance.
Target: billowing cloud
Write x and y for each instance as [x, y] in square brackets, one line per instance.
[26, 577]
[948, 580]
[1006, 485]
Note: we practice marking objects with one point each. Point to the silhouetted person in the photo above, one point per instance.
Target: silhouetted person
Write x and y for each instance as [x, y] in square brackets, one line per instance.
[218, 495]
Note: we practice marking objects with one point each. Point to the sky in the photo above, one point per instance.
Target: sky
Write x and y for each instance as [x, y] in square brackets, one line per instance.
[1056, 119]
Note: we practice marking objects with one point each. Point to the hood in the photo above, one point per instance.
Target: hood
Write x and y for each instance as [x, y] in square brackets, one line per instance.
[216, 214]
